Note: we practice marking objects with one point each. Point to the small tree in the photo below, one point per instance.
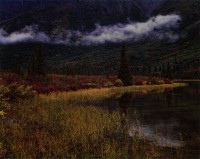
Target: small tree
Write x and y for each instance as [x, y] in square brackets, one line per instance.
[169, 70]
[149, 70]
[31, 72]
[163, 69]
[155, 69]
[125, 70]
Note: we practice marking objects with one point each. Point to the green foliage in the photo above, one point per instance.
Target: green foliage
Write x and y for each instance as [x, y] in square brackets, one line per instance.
[2, 114]
[3, 92]
[14, 92]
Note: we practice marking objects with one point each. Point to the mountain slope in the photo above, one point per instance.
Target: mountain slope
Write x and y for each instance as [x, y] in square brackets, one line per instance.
[70, 14]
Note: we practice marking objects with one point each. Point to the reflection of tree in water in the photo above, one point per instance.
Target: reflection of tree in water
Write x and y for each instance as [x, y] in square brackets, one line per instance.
[124, 103]
[169, 98]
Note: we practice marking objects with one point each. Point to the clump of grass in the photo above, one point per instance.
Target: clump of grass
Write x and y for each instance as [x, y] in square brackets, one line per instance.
[37, 131]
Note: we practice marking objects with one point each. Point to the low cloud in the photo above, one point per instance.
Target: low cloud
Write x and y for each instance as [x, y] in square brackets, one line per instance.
[156, 27]
[159, 27]
[27, 34]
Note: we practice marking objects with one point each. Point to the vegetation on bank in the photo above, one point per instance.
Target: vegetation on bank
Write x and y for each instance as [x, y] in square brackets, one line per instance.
[186, 80]
[56, 83]
[67, 125]
[96, 95]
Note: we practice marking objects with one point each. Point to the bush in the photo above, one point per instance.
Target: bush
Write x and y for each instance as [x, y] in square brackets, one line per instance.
[3, 93]
[119, 83]
[8, 78]
[140, 82]
[14, 92]
[168, 81]
[2, 113]
[3, 90]
[156, 81]
[92, 85]
[108, 84]
[41, 88]
[161, 82]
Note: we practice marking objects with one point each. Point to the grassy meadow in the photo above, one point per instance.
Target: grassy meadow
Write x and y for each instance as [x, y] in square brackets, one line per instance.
[68, 125]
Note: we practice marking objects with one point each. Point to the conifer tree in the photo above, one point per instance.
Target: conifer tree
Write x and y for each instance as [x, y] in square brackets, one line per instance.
[125, 70]
[163, 69]
[36, 65]
[149, 70]
[155, 69]
[31, 72]
[169, 70]
[40, 63]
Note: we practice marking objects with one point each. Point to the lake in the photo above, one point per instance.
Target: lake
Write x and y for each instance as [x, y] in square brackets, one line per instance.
[172, 117]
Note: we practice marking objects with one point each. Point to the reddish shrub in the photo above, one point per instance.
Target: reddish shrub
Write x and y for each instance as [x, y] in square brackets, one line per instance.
[54, 82]
[168, 81]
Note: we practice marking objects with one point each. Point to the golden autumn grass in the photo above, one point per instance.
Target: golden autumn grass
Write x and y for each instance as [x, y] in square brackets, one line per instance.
[94, 95]
[67, 125]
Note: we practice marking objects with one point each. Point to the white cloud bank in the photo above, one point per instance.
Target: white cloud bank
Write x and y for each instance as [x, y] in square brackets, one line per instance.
[28, 33]
[159, 27]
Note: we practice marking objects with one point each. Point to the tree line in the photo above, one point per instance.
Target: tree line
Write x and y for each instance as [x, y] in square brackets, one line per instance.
[37, 68]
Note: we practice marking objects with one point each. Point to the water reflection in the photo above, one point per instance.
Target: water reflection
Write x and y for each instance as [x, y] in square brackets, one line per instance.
[171, 117]
[124, 103]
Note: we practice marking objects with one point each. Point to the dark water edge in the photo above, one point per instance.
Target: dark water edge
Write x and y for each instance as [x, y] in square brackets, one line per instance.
[172, 117]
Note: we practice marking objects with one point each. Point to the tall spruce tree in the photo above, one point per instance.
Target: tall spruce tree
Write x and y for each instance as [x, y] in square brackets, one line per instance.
[40, 64]
[36, 65]
[125, 70]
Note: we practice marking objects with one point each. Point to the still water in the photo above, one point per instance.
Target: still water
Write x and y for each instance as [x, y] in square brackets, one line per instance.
[171, 117]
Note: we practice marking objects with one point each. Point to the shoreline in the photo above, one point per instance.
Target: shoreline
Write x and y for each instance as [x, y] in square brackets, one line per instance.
[186, 80]
[109, 92]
